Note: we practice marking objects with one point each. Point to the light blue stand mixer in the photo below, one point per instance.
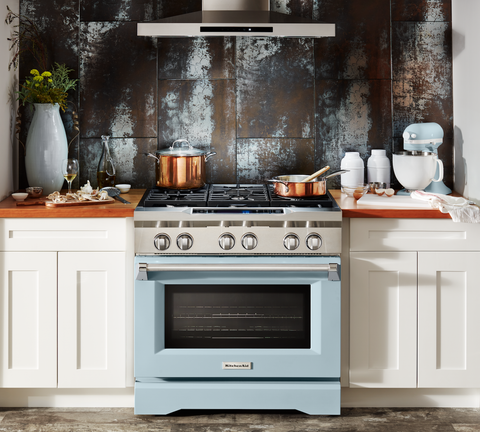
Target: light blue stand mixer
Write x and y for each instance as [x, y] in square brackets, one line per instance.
[426, 137]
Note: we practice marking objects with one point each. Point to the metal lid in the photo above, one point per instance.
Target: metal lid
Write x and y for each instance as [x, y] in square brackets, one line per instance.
[180, 147]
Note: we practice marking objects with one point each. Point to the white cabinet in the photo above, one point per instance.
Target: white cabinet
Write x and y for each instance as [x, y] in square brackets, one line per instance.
[63, 307]
[414, 299]
[28, 319]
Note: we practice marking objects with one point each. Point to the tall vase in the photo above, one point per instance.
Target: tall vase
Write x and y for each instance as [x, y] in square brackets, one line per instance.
[46, 148]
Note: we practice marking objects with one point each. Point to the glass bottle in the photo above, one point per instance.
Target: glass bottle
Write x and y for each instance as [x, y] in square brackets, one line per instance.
[106, 169]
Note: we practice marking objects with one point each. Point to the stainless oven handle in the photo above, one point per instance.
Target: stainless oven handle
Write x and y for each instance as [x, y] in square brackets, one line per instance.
[332, 269]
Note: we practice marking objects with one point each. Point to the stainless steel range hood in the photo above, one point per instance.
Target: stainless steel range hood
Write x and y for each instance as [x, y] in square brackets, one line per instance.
[235, 18]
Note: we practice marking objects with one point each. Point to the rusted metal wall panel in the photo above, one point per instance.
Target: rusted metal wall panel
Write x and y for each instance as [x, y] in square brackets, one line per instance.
[267, 106]
[352, 115]
[203, 112]
[275, 81]
[263, 158]
[422, 82]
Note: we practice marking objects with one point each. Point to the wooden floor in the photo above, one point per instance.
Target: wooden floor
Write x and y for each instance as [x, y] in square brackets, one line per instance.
[123, 419]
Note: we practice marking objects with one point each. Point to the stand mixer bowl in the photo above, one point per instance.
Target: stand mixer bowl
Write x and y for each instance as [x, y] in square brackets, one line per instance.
[415, 170]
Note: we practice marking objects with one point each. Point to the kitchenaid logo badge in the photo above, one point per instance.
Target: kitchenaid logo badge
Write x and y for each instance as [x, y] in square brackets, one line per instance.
[237, 365]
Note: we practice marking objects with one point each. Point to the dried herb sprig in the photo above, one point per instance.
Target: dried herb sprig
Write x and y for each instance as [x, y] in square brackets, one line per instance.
[26, 38]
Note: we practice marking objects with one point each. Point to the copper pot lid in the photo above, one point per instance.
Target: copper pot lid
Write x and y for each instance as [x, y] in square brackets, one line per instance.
[180, 147]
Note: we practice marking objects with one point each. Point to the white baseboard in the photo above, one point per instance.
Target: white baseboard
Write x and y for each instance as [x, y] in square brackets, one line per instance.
[351, 398]
[66, 398]
[411, 398]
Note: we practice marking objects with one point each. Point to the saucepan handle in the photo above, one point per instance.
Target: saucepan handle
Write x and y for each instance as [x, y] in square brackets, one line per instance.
[280, 181]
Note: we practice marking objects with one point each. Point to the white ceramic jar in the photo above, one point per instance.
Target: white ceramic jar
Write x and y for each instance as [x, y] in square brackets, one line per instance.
[354, 164]
[378, 167]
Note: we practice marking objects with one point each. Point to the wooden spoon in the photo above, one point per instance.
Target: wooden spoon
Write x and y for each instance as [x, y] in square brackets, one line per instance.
[315, 175]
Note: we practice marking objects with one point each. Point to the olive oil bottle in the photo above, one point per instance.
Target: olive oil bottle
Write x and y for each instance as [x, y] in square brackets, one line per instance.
[106, 170]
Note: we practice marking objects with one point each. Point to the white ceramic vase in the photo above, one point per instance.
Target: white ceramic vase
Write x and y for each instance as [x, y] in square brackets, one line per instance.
[46, 148]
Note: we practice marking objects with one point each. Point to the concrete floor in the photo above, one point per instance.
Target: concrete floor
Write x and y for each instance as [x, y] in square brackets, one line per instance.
[351, 420]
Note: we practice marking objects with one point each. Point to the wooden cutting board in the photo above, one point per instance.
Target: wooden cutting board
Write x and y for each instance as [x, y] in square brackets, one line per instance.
[65, 204]
[396, 201]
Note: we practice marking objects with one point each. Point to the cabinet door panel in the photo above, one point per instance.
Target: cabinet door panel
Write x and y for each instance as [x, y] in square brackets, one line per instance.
[448, 319]
[383, 308]
[91, 319]
[28, 316]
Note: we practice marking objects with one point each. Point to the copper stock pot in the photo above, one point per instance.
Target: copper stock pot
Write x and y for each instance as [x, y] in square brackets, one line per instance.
[180, 166]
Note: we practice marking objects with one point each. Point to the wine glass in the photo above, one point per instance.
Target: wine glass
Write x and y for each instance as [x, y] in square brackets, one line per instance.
[70, 171]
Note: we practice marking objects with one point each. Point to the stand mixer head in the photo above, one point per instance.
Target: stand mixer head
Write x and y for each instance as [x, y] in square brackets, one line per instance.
[426, 137]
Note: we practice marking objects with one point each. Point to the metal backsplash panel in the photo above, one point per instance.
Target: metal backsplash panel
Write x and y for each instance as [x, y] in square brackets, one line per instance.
[262, 105]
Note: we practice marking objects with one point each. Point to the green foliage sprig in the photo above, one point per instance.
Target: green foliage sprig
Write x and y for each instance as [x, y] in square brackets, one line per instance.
[47, 87]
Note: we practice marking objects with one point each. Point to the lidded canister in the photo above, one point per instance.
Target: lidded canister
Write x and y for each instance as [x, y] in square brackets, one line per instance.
[354, 164]
[378, 167]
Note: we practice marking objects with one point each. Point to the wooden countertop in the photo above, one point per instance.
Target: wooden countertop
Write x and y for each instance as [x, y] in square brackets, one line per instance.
[9, 208]
[351, 210]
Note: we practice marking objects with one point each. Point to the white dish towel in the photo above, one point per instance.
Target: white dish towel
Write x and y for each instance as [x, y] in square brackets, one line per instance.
[460, 209]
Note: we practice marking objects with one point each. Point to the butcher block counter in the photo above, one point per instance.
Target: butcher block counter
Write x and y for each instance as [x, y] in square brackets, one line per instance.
[349, 206]
[9, 208]
[386, 208]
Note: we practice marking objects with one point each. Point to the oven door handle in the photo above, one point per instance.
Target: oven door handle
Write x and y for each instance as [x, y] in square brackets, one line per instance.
[333, 269]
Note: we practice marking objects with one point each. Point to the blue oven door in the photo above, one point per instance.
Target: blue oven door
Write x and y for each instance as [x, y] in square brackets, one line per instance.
[237, 317]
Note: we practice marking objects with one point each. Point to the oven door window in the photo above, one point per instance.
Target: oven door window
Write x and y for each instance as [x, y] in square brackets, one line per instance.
[237, 316]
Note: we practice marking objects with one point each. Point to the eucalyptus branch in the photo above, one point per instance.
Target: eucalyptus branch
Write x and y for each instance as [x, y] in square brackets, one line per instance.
[26, 38]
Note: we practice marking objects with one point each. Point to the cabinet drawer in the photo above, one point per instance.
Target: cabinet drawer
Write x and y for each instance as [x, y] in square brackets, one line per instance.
[413, 235]
[63, 234]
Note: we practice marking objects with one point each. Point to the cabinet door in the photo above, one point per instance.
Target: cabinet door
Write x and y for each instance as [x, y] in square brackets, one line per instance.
[28, 305]
[448, 319]
[383, 315]
[91, 319]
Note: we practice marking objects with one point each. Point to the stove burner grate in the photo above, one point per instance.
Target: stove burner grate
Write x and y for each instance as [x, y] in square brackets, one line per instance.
[161, 197]
[227, 195]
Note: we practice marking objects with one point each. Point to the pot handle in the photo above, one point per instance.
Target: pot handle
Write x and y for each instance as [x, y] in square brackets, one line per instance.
[209, 155]
[153, 156]
[280, 181]
[181, 143]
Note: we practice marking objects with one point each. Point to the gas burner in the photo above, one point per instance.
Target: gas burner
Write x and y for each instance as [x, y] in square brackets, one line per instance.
[248, 194]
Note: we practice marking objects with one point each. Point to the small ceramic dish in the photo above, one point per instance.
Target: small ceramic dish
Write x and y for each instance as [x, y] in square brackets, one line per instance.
[34, 191]
[20, 196]
[356, 191]
[124, 188]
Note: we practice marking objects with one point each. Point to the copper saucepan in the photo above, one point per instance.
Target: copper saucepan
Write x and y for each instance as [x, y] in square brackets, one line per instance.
[293, 186]
[180, 166]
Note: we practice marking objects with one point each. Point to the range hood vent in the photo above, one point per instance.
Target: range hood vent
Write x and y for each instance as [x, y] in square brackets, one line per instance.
[235, 18]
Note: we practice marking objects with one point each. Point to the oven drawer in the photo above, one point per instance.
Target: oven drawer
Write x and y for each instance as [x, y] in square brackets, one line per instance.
[237, 318]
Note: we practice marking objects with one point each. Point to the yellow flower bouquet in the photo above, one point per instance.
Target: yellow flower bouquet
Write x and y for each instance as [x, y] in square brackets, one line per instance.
[47, 87]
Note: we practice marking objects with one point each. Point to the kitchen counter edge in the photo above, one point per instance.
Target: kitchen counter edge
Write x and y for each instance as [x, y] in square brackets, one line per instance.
[351, 210]
[9, 209]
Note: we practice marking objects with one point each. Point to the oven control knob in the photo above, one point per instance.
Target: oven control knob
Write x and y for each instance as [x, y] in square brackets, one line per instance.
[161, 242]
[184, 241]
[226, 241]
[249, 241]
[314, 241]
[291, 241]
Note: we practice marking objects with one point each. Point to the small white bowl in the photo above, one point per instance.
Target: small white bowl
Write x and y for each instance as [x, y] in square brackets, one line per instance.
[124, 188]
[20, 196]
